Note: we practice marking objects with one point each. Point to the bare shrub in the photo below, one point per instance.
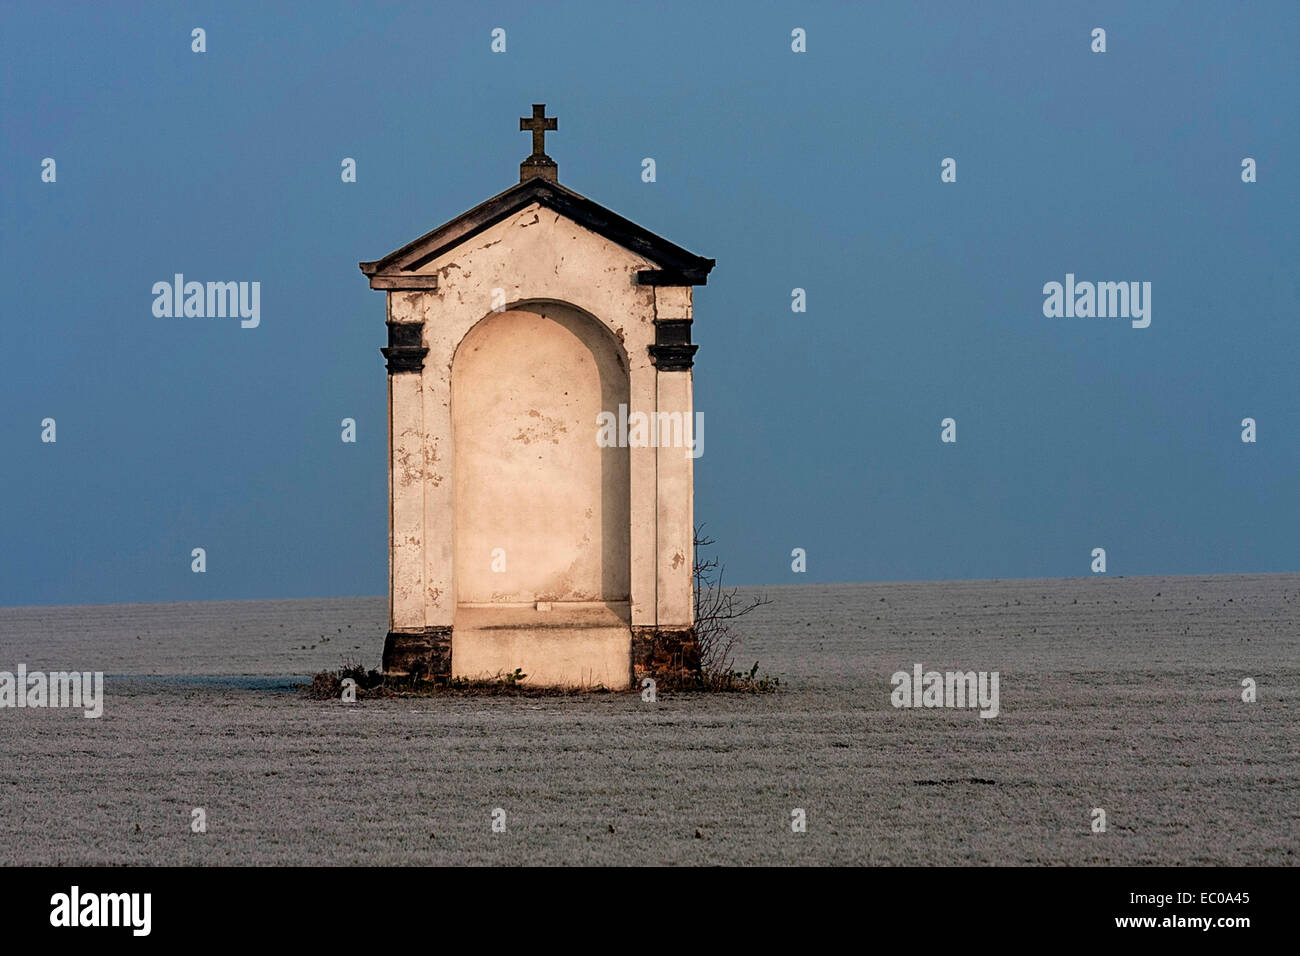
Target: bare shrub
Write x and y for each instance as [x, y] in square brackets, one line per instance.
[716, 607]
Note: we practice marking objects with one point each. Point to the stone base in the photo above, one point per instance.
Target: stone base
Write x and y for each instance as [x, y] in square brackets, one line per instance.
[586, 644]
[426, 652]
[664, 653]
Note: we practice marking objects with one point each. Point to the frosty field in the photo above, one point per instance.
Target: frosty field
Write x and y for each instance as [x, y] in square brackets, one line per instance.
[1121, 694]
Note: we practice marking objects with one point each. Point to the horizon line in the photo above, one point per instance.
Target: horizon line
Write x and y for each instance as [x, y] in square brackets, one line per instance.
[789, 584]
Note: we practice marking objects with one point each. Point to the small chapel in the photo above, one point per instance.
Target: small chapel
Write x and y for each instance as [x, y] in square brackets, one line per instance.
[522, 535]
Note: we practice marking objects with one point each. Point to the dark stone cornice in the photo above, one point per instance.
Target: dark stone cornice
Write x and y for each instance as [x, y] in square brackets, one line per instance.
[673, 358]
[673, 277]
[673, 351]
[405, 351]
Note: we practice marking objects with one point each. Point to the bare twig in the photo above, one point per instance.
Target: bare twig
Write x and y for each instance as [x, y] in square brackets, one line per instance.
[716, 606]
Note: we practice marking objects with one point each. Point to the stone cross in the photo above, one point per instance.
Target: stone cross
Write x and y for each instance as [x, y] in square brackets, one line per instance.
[538, 165]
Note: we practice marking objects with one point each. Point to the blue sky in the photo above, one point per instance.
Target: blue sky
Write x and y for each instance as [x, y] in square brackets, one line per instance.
[818, 170]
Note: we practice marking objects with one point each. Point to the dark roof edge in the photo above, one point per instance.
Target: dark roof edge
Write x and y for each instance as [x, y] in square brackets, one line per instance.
[679, 267]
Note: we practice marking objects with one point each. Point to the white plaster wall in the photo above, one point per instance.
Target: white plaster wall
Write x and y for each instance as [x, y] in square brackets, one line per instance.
[536, 254]
[673, 527]
[541, 510]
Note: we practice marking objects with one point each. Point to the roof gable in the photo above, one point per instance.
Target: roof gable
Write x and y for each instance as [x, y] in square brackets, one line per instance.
[677, 266]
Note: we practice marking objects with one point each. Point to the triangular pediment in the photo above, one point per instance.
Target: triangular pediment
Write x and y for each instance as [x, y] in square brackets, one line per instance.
[400, 269]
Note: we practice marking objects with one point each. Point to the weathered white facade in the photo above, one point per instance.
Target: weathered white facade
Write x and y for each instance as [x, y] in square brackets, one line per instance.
[517, 539]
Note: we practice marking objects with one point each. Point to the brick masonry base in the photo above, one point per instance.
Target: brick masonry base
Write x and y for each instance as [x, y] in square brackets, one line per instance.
[664, 653]
[426, 652]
